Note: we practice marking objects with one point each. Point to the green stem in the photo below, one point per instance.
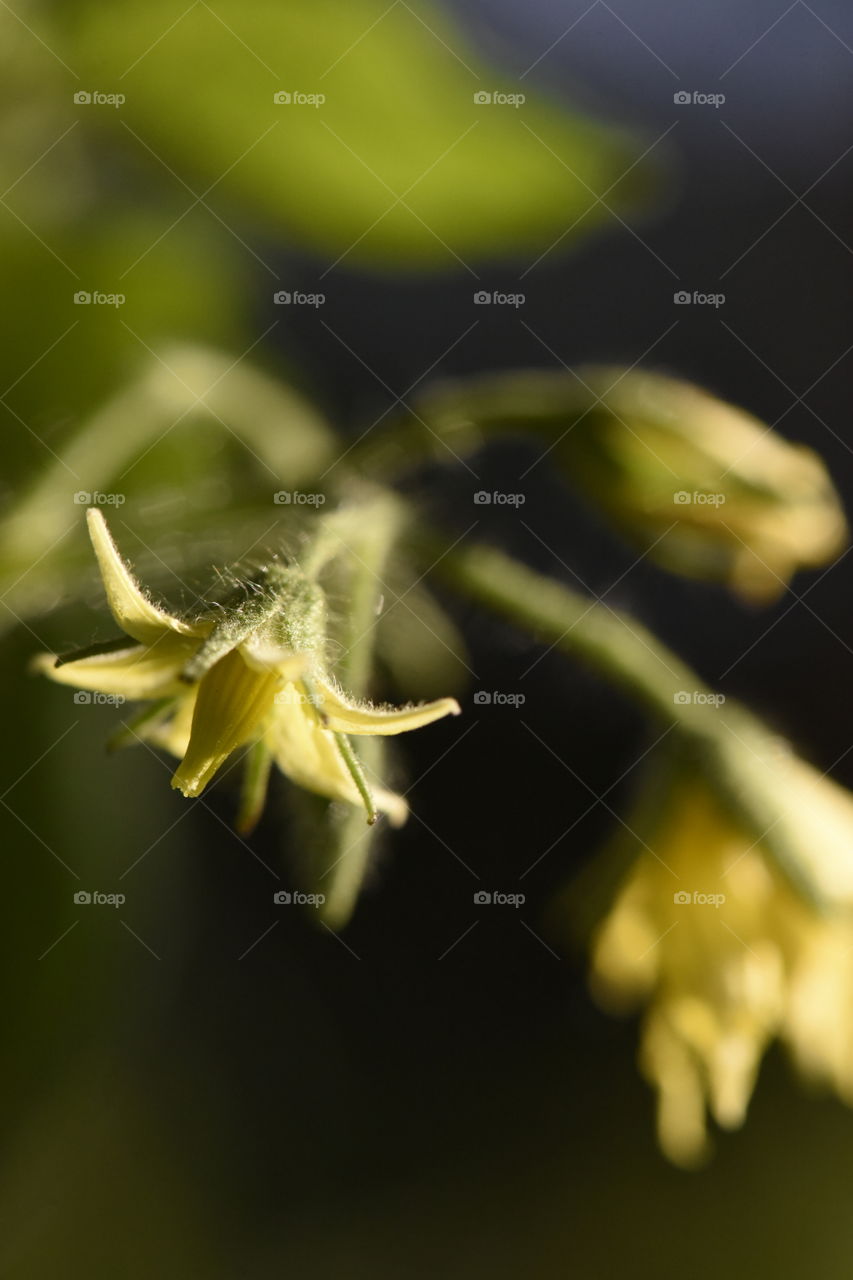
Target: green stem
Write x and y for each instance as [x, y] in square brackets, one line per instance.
[617, 646]
[731, 749]
[457, 418]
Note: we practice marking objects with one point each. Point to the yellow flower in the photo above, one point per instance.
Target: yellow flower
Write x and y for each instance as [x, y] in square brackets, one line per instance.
[253, 672]
[726, 955]
[711, 490]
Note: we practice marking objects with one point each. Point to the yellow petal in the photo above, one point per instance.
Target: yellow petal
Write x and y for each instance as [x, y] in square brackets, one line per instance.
[231, 704]
[625, 958]
[308, 754]
[342, 716]
[140, 671]
[262, 656]
[669, 1065]
[129, 605]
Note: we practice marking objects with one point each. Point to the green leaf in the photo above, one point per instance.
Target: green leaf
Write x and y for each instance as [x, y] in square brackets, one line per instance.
[398, 164]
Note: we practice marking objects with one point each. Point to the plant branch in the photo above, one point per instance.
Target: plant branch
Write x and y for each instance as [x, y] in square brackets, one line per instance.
[732, 750]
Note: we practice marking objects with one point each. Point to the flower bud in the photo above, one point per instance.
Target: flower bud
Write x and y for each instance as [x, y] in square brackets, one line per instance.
[710, 490]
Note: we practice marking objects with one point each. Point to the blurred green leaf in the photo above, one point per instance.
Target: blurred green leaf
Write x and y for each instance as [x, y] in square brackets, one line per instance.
[398, 164]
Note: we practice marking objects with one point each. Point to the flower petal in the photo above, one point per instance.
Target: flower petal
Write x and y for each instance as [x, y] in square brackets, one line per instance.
[668, 1064]
[260, 655]
[129, 605]
[231, 705]
[308, 754]
[139, 671]
[342, 716]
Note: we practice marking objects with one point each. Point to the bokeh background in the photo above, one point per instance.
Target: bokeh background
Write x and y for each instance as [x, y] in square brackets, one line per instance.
[205, 1084]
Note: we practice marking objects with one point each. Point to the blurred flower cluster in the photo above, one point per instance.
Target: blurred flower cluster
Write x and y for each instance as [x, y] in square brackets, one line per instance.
[710, 934]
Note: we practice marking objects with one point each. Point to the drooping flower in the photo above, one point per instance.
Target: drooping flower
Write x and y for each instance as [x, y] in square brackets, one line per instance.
[710, 490]
[250, 673]
[726, 955]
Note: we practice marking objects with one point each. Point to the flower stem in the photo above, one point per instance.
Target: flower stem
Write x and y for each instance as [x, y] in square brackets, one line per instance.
[621, 649]
[456, 418]
[732, 750]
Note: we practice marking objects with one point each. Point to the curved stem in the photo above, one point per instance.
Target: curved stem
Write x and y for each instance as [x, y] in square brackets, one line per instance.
[455, 419]
[731, 749]
[621, 649]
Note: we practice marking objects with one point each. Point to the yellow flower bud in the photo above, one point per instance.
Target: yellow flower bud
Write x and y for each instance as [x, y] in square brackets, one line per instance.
[708, 488]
